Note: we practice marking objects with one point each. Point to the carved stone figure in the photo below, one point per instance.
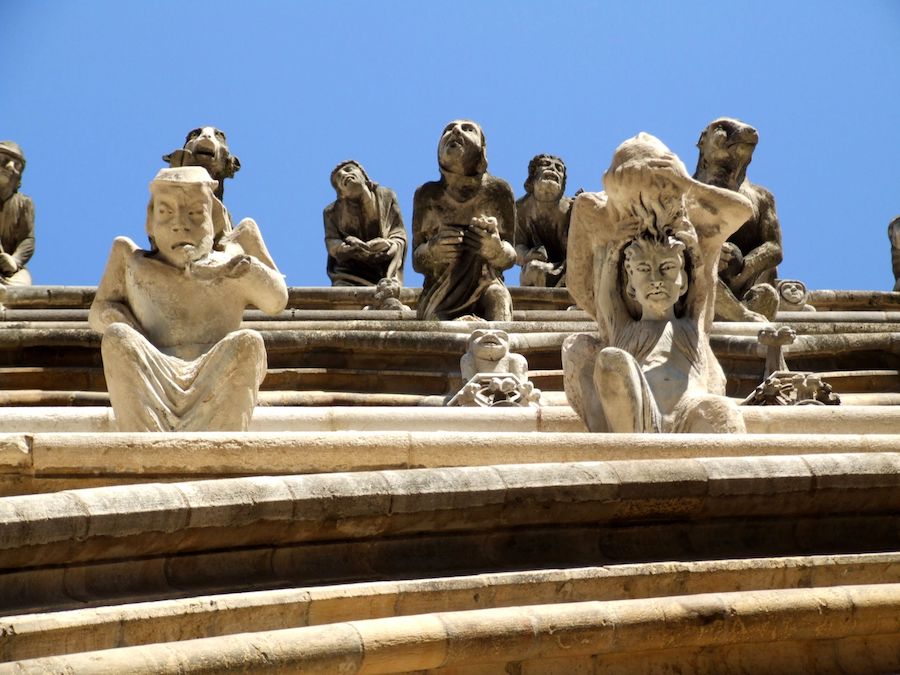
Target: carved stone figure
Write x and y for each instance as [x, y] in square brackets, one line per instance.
[747, 266]
[793, 296]
[364, 231]
[542, 223]
[207, 147]
[894, 236]
[16, 218]
[642, 260]
[463, 226]
[387, 295]
[173, 354]
[494, 375]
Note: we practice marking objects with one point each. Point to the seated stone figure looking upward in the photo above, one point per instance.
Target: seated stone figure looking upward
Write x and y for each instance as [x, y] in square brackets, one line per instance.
[643, 260]
[16, 218]
[173, 354]
[364, 231]
[463, 226]
[542, 223]
[749, 260]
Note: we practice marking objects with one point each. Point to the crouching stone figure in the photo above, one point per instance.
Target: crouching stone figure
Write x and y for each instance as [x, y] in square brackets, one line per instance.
[173, 355]
[642, 260]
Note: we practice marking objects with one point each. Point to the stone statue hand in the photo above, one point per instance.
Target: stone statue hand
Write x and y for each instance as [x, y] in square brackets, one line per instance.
[8, 264]
[731, 261]
[234, 267]
[483, 237]
[381, 248]
[539, 254]
[445, 246]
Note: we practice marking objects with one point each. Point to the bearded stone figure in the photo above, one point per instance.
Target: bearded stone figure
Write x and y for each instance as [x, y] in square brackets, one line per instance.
[463, 226]
[542, 224]
[16, 218]
[173, 353]
[750, 257]
[642, 260]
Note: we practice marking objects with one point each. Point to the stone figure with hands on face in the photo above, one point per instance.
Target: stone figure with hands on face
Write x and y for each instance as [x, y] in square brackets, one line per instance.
[542, 223]
[642, 260]
[463, 227]
[364, 232]
[173, 353]
[16, 218]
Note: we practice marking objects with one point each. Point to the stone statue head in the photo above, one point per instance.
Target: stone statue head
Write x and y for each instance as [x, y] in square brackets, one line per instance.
[348, 179]
[793, 292]
[386, 288]
[462, 149]
[488, 344]
[184, 217]
[726, 147]
[12, 164]
[655, 271]
[206, 147]
[546, 177]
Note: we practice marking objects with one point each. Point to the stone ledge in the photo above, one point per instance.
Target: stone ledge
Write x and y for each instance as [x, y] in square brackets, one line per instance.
[696, 623]
[35, 635]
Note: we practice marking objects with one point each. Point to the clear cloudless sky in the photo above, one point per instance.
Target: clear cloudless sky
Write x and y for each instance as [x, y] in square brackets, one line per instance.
[97, 91]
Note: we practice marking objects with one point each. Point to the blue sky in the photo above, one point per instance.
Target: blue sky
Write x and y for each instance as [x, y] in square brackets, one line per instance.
[96, 92]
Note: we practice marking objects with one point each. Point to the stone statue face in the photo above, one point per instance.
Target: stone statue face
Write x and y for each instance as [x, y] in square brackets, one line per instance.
[726, 148]
[794, 292]
[461, 147]
[387, 288]
[11, 168]
[181, 224]
[349, 181]
[657, 277]
[210, 150]
[489, 344]
[548, 179]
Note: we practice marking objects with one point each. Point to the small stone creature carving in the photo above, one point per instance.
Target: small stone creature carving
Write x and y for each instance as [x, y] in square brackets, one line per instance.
[775, 340]
[542, 223]
[387, 295]
[463, 226]
[16, 218]
[793, 296]
[747, 266]
[642, 260]
[894, 236]
[173, 356]
[207, 147]
[364, 231]
[494, 376]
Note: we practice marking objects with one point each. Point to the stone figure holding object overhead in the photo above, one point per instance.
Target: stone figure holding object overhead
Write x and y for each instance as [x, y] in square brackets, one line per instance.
[749, 260]
[364, 231]
[173, 354]
[642, 260]
[16, 218]
[463, 226]
[542, 223]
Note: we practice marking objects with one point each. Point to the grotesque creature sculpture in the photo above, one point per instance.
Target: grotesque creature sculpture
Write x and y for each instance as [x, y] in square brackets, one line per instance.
[173, 356]
[364, 231]
[16, 218]
[463, 227]
[793, 296]
[894, 236]
[747, 266]
[642, 260]
[387, 295]
[207, 147]
[542, 223]
[493, 375]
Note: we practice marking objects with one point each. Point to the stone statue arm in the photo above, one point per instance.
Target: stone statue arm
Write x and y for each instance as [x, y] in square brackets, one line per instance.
[435, 245]
[338, 247]
[588, 234]
[110, 302]
[769, 254]
[263, 284]
[25, 247]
